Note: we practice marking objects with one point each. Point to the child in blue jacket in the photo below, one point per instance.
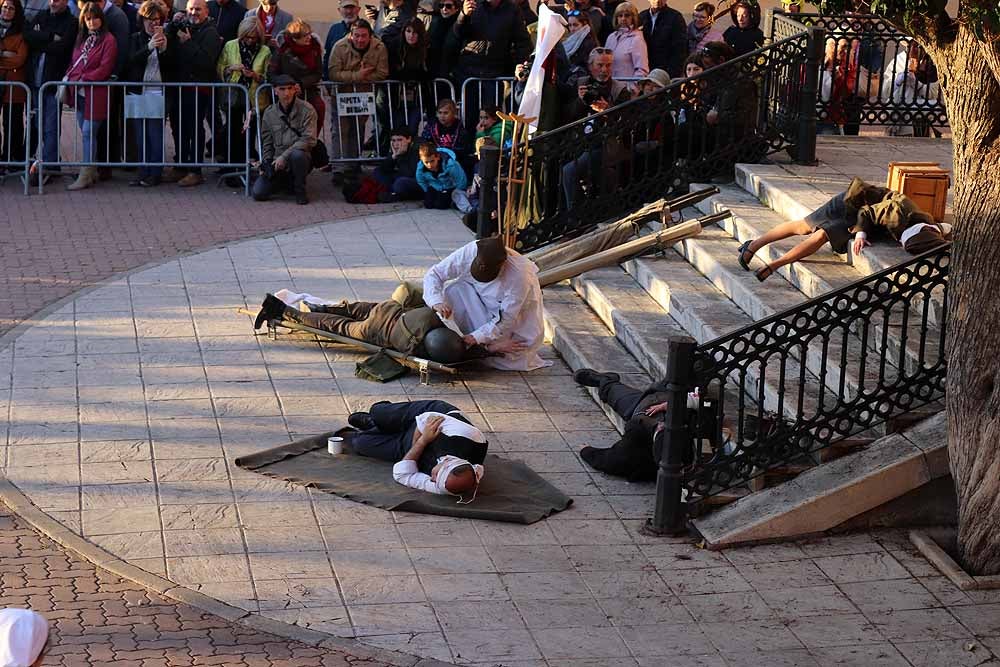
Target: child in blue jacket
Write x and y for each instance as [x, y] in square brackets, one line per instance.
[439, 175]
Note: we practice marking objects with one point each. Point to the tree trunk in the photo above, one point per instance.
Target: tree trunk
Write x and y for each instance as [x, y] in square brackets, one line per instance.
[972, 95]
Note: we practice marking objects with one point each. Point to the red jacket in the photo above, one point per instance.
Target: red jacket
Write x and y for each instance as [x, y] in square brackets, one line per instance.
[99, 65]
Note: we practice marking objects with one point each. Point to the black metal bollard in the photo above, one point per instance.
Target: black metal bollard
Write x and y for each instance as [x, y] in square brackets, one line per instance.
[489, 169]
[670, 516]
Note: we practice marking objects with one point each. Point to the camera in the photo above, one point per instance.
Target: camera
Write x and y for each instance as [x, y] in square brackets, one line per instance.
[176, 24]
[593, 93]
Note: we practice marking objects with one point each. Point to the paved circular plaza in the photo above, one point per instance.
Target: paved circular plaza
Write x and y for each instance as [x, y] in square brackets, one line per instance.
[127, 406]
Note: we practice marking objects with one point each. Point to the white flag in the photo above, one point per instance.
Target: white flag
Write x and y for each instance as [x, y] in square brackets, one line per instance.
[551, 28]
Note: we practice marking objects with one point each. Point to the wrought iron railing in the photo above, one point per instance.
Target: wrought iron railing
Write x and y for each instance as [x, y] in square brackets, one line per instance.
[795, 383]
[611, 162]
[871, 74]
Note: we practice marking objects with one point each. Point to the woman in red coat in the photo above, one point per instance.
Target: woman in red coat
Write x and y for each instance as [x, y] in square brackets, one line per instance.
[93, 60]
[13, 57]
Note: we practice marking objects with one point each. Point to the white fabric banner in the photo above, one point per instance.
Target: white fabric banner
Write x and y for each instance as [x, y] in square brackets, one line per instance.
[551, 28]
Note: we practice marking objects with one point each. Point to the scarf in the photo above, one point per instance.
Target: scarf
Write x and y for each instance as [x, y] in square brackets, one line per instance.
[575, 40]
[90, 43]
[247, 55]
[695, 35]
[307, 54]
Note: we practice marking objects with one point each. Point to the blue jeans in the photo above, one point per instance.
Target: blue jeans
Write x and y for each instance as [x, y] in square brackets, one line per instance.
[50, 126]
[148, 134]
[89, 129]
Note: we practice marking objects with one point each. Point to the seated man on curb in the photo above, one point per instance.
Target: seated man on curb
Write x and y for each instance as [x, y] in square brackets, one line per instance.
[412, 331]
[439, 175]
[288, 134]
[433, 446]
[398, 172]
[633, 456]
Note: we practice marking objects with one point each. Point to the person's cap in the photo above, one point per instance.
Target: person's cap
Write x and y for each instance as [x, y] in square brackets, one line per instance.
[490, 256]
[657, 76]
[279, 80]
[350, 3]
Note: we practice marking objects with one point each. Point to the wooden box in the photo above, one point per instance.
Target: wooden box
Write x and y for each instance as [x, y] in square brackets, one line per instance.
[925, 183]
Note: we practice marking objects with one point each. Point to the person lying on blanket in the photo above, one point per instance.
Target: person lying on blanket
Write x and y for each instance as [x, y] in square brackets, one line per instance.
[413, 331]
[432, 444]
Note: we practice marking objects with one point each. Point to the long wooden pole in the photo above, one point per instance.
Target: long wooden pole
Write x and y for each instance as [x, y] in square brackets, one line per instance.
[620, 253]
[411, 361]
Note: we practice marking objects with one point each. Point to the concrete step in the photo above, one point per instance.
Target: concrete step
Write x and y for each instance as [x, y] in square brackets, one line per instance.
[792, 198]
[663, 296]
[584, 342]
[815, 276]
[831, 494]
[713, 251]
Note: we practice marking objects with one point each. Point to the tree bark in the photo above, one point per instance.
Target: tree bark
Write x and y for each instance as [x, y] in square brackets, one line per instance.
[972, 95]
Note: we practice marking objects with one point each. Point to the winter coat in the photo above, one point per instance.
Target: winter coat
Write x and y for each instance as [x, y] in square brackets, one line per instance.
[493, 40]
[196, 58]
[443, 54]
[227, 17]
[629, 55]
[138, 58]
[285, 61]
[346, 61]
[451, 176]
[14, 68]
[281, 21]
[879, 209]
[743, 41]
[455, 138]
[99, 65]
[279, 139]
[117, 24]
[40, 36]
[231, 56]
[404, 165]
[666, 42]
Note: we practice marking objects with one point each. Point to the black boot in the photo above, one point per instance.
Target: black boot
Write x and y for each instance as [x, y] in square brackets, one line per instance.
[361, 421]
[273, 308]
[588, 377]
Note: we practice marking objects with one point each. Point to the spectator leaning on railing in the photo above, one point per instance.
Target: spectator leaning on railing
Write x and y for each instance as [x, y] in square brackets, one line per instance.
[13, 67]
[288, 135]
[148, 61]
[93, 58]
[358, 60]
[50, 38]
[196, 46]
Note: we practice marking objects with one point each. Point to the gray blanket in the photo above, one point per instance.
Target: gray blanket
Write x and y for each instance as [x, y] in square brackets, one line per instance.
[510, 490]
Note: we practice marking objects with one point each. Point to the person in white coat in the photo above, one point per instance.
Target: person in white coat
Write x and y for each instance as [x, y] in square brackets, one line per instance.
[491, 295]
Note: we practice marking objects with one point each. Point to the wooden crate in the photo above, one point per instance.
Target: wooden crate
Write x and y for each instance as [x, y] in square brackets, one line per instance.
[925, 183]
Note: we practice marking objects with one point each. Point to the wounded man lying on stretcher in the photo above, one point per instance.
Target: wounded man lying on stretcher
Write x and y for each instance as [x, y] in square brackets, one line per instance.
[416, 331]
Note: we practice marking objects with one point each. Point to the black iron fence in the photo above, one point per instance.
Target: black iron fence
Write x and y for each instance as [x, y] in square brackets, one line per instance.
[693, 130]
[790, 385]
[871, 74]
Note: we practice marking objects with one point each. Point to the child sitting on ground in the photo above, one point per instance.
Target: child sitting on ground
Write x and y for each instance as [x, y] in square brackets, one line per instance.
[447, 131]
[439, 175]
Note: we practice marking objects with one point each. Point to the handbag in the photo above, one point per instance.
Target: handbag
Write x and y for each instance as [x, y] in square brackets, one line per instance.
[319, 157]
[63, 96]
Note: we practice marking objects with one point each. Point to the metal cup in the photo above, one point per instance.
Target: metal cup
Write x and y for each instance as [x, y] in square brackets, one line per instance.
[335, 445]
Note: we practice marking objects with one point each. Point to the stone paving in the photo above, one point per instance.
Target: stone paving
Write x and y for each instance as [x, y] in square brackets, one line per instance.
[97, 618]
[145, 389]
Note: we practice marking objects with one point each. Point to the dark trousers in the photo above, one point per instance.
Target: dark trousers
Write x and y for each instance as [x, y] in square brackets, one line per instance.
[437, 199]
[195, 111]
[361, 320]
[632, 457]
[12, 128]
[395, 423]
[292, 177]
[404, 187]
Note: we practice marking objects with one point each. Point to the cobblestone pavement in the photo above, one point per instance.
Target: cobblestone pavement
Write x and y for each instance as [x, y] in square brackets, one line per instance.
[96, 618]
[78, 238]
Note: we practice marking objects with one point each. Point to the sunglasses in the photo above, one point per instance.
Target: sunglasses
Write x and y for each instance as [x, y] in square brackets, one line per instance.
[575, 12]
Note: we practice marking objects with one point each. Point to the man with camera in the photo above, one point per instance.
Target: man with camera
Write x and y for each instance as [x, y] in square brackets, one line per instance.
[196, 47]
[594, 92]
[288, 134]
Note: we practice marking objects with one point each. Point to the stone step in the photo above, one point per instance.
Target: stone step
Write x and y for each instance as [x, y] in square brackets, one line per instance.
[645, 305]
[713, 251]
[815, 276]
[825, 497]
[793, 199]
[584, 342]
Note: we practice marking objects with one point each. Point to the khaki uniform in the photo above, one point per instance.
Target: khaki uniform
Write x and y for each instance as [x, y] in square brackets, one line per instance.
[385, 324]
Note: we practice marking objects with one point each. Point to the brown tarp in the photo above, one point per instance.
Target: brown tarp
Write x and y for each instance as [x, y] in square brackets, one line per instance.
[510, 490]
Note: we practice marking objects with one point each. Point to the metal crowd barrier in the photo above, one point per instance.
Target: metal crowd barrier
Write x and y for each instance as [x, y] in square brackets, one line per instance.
[360, 115]
[478, 93]
[200, 117]
[16, 131]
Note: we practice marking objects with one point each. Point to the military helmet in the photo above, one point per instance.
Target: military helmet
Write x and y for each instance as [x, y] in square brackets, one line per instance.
[444, 346]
